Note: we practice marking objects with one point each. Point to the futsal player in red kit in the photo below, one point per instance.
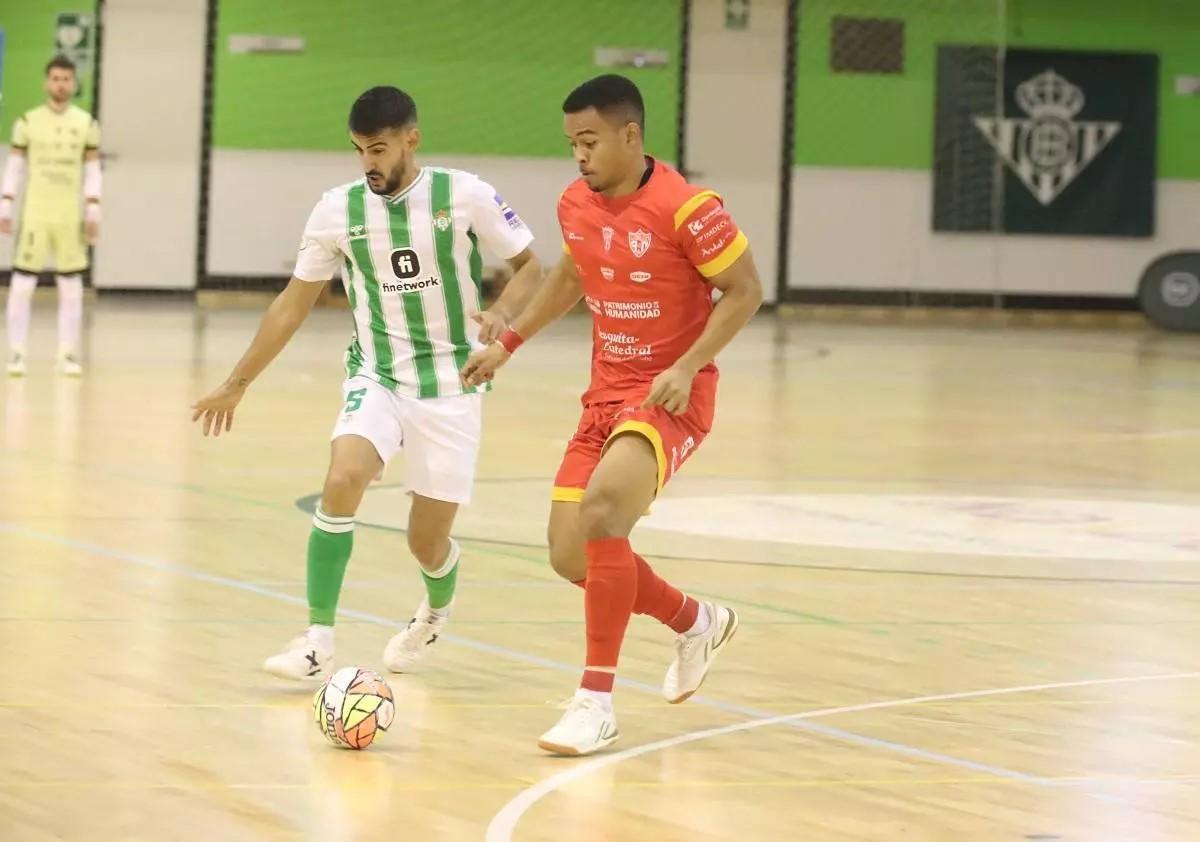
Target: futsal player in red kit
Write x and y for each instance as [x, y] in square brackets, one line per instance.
[645, 250]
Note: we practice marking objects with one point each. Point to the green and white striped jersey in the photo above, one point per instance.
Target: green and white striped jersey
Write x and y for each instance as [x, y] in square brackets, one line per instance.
[412, 270]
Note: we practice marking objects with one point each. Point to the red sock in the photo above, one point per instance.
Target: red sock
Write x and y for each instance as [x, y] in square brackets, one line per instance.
[656, 598]
[609, 595]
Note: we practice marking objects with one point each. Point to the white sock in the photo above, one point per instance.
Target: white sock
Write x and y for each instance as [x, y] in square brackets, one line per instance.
[604, 699]
[702, 624]
[20, 307]
[70, 313]
[322, 636]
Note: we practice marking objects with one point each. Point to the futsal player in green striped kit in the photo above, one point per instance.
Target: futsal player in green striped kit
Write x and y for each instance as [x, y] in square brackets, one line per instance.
[407, 239]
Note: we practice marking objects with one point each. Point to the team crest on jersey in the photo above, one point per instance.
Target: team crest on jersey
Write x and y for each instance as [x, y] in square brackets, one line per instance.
[639, 242]
[441, 220]
[607, 233]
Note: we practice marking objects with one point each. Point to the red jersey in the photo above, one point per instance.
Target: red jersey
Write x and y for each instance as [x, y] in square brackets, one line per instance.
[644, 261]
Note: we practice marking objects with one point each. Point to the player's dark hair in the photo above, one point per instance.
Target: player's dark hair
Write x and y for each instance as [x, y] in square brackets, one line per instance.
[382, 108]
[60, 62]
[610, 95]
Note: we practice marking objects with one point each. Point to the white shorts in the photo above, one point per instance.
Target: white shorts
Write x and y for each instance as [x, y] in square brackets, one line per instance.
[439, 436]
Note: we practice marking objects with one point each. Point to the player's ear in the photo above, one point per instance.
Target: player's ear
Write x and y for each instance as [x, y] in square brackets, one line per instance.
[414, 138]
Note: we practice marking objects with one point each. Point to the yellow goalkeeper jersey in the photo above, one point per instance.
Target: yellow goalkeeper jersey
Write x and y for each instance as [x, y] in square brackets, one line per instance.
[54, 144]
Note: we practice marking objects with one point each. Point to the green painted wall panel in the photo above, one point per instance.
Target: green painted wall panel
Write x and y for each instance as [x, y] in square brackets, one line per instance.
[861, 120]
[488, 77]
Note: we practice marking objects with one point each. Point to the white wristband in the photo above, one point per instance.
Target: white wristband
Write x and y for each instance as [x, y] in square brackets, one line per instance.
[13, 176]
[92, 179]
[6, 208]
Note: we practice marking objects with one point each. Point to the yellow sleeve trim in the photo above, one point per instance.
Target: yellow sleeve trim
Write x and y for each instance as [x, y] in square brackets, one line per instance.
[566, 495]
[725, 259]
[652, 435]
[691, 204]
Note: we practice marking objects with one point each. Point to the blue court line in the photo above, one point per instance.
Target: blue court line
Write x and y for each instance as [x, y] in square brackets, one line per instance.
[539, 661]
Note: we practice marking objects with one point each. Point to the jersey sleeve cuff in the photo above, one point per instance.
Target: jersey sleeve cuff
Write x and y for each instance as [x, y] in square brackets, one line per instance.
[524, 243]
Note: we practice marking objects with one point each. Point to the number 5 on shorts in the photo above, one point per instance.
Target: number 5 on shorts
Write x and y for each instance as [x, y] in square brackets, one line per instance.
[354, 400]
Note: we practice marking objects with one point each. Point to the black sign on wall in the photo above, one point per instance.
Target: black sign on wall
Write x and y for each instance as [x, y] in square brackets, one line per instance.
[1072, 150]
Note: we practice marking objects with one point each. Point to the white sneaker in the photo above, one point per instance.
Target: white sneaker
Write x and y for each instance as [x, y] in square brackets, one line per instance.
[69, 365]
[408, 647]
[585, 728]
[695, 655]
[16, 364]
[303, 657]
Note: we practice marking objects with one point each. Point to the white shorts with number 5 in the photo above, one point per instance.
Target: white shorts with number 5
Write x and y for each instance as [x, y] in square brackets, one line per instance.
[439, 436]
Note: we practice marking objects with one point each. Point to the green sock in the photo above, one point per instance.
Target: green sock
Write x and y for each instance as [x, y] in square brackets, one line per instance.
[439, 585]
[329, 548]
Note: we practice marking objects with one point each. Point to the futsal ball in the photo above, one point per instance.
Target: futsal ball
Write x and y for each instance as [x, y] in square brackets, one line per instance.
[353, 706]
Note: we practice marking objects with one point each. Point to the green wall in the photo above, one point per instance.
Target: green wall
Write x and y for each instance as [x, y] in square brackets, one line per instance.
[28, 44]
[853, 120]
[489, 77]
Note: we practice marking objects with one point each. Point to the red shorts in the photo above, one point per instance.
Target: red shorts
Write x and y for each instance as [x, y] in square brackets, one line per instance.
[674, 437]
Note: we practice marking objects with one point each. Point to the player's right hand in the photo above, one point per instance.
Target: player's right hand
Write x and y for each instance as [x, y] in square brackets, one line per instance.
[217, 407]
[481, 366]
[491, 325]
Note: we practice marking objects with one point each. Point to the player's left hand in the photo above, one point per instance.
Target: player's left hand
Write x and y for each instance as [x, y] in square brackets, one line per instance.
[481, 366]
[491, 325]
[671, 390]
[91, 230]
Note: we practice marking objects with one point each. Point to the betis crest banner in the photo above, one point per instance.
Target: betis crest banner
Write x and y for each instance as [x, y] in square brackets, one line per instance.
[1045, 141]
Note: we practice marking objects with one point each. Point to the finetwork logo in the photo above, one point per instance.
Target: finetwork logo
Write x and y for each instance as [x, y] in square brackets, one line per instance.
[1049, 148]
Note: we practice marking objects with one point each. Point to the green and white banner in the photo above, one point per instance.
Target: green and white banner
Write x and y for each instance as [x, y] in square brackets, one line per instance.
[1069, 148]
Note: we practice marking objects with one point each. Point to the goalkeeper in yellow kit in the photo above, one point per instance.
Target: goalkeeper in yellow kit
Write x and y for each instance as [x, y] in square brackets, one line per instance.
[58, 146]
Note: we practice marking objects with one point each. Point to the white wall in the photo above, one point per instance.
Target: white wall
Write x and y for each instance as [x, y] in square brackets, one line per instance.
[151, 111]
[735, 119]
[872, 229]
[259, 201]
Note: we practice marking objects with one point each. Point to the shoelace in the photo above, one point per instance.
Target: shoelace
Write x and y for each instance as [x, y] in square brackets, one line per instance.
[685, 645]
[417, 636]
[579, 709]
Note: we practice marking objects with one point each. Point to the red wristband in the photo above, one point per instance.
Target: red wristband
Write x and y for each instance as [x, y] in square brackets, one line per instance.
[511, 340]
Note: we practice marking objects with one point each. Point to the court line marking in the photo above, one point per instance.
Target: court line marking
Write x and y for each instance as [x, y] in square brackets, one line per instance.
[526, 657]
[504, 822]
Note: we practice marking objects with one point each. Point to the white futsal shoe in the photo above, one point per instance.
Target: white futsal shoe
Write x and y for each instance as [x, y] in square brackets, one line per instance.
[585, 728]
[69, 365]
[694, 655]
[16, 364]
[304, 657]
[409, 646]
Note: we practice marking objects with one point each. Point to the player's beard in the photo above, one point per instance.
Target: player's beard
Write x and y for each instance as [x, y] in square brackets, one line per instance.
[391, 184]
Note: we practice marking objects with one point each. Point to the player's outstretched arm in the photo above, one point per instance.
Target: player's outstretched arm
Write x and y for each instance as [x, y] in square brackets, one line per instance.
[561, 291]
[741, 296]
[527, 272]
[285, 315]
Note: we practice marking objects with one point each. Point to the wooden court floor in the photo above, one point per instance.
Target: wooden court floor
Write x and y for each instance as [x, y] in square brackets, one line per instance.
[966, 551]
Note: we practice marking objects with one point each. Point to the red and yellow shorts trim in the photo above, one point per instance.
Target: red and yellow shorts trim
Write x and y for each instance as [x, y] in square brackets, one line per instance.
[674, 437]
